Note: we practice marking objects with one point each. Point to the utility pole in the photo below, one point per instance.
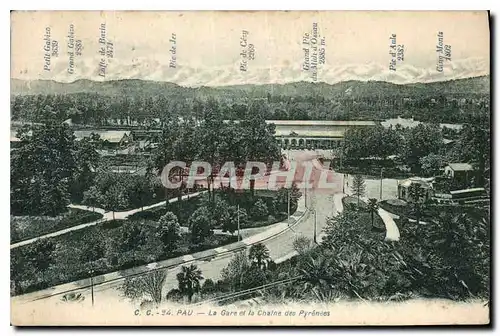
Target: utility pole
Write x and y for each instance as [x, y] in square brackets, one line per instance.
[238, 207]
[381, 170]
[289, 207]
[315, 225]
[343, 183]
[92, 286]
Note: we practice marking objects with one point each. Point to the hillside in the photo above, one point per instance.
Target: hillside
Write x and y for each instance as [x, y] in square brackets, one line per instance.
[136, 87]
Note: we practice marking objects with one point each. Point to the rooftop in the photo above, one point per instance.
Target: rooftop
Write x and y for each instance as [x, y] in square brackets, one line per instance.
[111, 136]
[461, 166]
[322, 122]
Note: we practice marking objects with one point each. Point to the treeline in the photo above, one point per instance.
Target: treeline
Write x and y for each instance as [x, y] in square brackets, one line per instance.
[100, 110]
[49, 169]
[421, 148]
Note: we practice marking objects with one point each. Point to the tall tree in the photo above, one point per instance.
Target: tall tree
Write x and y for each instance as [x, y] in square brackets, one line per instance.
[189, 280]
[150, 284]
[358, 187]
[41, 170]
[259, 255]
[421, 141]
[258, 138]
[200, 224]
[114, 199]
[169, 231]
[372, 209]
[417, 197]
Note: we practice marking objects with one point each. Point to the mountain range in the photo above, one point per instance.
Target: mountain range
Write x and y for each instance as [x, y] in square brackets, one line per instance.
[352, 88]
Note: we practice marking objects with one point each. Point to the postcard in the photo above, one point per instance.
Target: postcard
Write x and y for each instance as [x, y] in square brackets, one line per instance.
[250, 168]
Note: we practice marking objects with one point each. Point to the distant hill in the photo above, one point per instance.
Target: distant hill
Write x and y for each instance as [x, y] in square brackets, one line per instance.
[136, 87]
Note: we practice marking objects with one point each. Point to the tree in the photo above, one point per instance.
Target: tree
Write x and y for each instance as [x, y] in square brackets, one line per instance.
[258, 137]
[302, 244]
[259, 255]
[450, 255]
[232, 224]
[114, 198]
[87, 160]
[259, 209]
[220, 214]
[150, 284]
[92, 197]
[140, 192]
[200, 224]
[131, 235]
[358, 186]
[241, 275]
[372, 209]
[430, 164]
[169, 231]
[189, 280]
[39, 254]
[421, 141]
[41, 170]
[316, 273]
[281, 200]
[417, 194]
[473, 146]
[91, 248]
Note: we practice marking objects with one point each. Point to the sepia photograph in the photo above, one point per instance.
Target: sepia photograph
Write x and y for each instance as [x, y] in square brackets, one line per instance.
[251, 168]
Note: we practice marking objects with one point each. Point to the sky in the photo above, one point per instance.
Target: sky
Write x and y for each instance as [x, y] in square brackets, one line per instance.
[208, 46]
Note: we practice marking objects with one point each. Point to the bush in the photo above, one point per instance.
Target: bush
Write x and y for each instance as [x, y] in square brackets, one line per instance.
[259, 209]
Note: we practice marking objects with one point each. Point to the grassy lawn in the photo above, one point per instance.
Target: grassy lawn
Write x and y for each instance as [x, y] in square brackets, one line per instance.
[106, 247]
[27, 227]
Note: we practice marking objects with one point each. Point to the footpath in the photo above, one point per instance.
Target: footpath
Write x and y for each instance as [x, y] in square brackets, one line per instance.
[107, 216]
[273, 231]
[392, 231]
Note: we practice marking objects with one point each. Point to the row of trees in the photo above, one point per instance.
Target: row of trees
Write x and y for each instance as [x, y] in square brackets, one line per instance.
[299, 104]
[421, 148]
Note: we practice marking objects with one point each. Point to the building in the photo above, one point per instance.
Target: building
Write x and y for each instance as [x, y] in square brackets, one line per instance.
[314, 134]
[425, 183]
[411, 123]
[110, 139]
[460, 174]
